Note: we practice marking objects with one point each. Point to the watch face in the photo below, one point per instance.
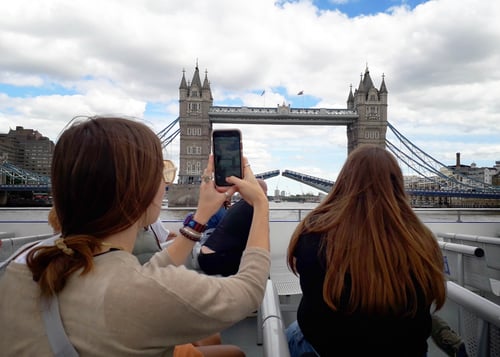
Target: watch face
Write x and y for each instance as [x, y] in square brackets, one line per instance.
[169, 171]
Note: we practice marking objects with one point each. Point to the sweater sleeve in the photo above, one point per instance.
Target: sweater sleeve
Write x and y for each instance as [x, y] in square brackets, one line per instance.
[169, 305]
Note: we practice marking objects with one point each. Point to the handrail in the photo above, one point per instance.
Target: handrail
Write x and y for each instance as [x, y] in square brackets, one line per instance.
[481, 307]
[470, 237]
[462, 248]
[275, 342]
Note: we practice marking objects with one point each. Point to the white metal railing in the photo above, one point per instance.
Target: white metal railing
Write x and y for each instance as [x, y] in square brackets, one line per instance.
[478, 321]
[490, 247]
[273, 329]
[9, 245]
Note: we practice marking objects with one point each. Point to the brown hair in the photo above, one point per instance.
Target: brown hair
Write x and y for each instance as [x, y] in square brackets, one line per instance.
[370, 232]
[105, 174]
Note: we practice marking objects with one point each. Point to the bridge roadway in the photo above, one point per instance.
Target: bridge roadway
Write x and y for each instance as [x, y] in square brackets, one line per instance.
[316, 182]
[326, 185]
[282, 115]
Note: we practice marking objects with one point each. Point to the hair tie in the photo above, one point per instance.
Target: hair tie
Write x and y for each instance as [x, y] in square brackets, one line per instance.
[61, 245]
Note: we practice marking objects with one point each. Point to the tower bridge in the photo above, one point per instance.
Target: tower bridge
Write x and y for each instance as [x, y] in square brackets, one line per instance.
[365, 119]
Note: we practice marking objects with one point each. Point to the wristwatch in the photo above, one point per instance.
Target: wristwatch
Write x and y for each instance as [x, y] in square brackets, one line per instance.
[191, 223]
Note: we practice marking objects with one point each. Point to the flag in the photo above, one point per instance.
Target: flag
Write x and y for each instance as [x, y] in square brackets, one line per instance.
[263, 92]
[300, 93]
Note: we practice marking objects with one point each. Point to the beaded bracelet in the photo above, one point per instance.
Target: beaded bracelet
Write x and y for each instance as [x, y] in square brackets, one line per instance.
[190, 234]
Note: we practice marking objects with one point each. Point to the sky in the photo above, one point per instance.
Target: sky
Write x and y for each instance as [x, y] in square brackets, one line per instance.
[439, 59]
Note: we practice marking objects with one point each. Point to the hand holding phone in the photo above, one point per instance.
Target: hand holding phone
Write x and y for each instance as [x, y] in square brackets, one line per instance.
[227, 148]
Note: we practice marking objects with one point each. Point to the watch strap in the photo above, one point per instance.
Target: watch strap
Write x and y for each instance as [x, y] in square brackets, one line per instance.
[191, 223]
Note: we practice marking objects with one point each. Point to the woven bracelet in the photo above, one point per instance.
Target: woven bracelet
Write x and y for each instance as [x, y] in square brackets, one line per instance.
[190, 234]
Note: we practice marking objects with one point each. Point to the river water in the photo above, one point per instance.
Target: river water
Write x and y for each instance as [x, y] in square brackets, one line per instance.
[31, 221]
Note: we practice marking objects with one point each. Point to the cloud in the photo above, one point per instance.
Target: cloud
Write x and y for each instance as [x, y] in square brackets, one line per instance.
[440, 62]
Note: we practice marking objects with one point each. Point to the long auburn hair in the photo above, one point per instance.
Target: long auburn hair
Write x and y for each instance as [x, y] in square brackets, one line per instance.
[370, 232]
[105, 173]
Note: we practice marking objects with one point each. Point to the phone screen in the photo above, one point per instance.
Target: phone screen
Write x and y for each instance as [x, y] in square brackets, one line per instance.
[227, 155]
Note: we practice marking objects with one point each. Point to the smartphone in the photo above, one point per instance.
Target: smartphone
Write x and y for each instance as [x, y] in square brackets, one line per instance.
[227, 149]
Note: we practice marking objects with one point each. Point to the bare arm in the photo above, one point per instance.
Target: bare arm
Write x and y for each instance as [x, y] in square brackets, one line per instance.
[211, 199]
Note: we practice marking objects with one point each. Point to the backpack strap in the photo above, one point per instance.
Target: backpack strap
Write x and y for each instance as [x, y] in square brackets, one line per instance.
[59, 341]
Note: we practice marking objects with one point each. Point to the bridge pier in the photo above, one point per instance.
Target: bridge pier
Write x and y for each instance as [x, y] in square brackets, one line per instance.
[3, 198]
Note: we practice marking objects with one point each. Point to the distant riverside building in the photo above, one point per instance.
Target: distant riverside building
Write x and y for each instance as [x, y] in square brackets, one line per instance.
[27, 149]
[495, 179]
[473, 172]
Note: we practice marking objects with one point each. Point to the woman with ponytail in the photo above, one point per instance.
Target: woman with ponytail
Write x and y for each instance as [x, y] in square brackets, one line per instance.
[107, 184]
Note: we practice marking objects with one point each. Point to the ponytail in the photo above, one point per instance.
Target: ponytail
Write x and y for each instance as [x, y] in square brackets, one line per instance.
[51, 266]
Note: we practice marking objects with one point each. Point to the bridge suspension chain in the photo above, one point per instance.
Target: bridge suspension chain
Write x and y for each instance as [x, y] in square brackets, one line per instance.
[165, 136]
[418, 160]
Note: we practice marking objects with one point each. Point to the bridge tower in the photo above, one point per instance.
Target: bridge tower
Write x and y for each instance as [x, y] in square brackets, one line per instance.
[371, 106]
[195, 99]
[195, 137]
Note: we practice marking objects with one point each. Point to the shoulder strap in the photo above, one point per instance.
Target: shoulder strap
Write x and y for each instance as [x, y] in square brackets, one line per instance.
[59, 341]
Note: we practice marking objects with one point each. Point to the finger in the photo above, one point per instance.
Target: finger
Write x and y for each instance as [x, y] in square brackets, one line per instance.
[236, 182]
[206, 178]
[248, 173]
[208, 172]
[210, 165]
[246, 164]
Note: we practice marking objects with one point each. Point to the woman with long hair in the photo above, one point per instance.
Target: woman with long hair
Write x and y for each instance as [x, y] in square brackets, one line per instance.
[107, 184]
[369, 269]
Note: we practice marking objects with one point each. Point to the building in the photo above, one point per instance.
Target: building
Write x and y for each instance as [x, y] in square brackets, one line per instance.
[495, 179]
[472, 174]
[27, 149]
